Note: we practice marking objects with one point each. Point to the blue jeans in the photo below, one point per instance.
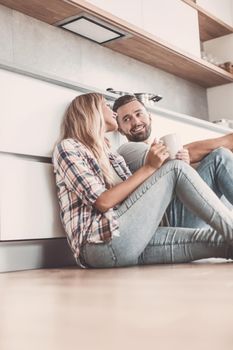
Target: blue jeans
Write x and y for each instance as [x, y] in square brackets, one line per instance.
[141, 241]
[216, 170]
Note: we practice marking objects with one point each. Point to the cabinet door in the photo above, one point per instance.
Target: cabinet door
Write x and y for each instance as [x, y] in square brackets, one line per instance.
[31, 114]
[222, 9]
[28, 202]
[173, 21]
[220, 102]
[129, 10]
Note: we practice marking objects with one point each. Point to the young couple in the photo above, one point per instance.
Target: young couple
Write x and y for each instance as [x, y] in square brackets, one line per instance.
[112, 217]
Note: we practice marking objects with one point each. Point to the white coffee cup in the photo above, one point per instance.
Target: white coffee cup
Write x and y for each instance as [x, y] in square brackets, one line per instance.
[173, 143]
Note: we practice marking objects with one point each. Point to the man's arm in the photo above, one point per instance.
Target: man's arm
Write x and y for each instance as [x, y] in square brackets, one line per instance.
[199, 149]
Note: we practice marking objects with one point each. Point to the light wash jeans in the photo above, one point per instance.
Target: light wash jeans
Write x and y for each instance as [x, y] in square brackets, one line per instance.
[142, 242]
[216, 169]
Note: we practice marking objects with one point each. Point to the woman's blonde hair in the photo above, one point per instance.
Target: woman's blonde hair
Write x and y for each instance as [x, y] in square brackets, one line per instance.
[84, 121]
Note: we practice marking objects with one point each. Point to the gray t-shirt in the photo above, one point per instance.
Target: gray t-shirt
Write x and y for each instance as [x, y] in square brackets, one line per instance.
[134, 154]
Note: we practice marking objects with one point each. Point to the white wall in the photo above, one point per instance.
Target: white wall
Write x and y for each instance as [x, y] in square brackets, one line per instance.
[222, 9]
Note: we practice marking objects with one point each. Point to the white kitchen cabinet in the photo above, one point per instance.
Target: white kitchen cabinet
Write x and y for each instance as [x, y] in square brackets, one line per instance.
[220, 48]
[222, 9]
[220, 102]
[28, 201]
[129, 10]
[173, 21]
[31, 114]
[220, 98]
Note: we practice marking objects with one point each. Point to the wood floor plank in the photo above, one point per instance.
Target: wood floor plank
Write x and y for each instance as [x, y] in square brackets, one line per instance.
[187, 306]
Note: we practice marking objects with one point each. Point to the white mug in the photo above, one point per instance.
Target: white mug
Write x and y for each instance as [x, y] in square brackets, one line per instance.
[173, 143]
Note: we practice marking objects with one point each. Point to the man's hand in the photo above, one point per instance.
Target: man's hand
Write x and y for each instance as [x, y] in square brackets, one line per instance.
[183, 154]
[156, 155]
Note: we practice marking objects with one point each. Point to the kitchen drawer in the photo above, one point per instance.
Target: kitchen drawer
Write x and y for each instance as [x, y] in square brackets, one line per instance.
[28, 202]
[31, 114]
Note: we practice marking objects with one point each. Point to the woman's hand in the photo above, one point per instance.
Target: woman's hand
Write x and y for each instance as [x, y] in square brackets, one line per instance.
[183, 154]
[156, 155]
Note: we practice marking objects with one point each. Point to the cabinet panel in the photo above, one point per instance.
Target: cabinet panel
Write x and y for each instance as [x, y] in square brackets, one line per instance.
[221, 48]
[220, 102]
[31, 114]
[129, 10]
[174, 22]
[189, 132]
[28, 202]
[222, 9]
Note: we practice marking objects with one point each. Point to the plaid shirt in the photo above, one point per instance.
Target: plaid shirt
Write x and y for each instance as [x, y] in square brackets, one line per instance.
[80, 182]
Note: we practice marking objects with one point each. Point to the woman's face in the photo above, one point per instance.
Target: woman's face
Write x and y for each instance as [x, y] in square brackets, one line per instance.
[109, 117]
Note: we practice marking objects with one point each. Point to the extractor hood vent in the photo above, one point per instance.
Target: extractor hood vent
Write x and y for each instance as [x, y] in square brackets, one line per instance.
[91, 28]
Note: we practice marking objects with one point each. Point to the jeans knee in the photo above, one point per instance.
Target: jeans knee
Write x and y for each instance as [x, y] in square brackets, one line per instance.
[221, 156]
[180, 165]
[221, 153]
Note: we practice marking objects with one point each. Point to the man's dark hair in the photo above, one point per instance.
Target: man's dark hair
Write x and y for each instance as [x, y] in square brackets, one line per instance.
[123, 100]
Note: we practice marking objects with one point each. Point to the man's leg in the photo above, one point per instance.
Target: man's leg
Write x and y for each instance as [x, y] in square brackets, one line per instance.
[216, 170]
[171, 245]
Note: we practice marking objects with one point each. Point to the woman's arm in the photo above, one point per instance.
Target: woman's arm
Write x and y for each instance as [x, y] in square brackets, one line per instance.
[115, 195]
[199, 149]
[118, 193]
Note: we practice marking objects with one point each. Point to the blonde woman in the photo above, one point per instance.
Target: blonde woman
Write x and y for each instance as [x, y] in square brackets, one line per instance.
[112, 217]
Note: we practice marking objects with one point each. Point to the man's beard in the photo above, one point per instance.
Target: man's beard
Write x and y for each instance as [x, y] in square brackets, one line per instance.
[140, 136]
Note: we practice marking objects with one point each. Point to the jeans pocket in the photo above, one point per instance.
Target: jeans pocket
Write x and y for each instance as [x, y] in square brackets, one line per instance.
[98, 255]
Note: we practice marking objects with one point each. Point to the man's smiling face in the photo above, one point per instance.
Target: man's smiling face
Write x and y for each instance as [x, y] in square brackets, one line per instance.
[134, 121]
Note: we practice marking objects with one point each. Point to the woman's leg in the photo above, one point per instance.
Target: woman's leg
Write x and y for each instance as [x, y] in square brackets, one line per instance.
[216, 169]
[171, 245]
[140, 214]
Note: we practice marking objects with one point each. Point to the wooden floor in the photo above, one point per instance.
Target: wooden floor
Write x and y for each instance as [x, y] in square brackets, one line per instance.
[156, 307]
